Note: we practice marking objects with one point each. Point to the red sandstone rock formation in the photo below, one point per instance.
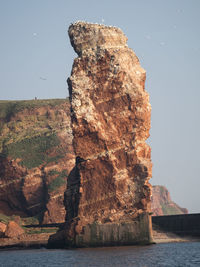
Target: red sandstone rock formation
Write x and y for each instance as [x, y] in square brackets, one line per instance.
[162, 204]
[108, 190]
[13, 230]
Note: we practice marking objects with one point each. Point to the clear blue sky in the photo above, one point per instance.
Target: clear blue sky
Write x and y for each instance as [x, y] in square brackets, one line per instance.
[36, 59]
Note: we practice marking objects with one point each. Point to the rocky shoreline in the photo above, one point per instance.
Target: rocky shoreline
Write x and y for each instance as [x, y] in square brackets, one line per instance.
[38, 241]
[25, 242]
[168, 237]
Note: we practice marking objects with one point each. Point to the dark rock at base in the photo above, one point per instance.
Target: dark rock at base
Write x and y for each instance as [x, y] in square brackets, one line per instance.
[137, 232]
[57, 240]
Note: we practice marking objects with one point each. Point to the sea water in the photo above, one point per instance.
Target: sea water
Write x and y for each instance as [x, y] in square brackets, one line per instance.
[167, 255]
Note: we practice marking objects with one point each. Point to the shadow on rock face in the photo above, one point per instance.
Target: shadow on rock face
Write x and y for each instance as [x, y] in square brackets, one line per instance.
[66, 234]
[72, 195]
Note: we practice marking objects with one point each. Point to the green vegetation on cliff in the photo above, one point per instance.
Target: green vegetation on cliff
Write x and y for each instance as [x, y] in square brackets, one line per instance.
[4, 218]
[58, 181]
[41, 230]
[32, 134]
[37, 135]
[32, 151]
[170, 210]
[9, 108]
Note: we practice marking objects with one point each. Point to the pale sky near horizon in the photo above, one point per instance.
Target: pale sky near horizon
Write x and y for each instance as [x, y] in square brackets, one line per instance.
[36, 59]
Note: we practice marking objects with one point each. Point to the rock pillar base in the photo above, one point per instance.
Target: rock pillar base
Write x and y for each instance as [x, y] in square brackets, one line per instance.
[116, 234]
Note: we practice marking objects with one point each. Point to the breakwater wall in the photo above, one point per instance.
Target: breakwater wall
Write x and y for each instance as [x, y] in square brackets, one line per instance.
[184, 224]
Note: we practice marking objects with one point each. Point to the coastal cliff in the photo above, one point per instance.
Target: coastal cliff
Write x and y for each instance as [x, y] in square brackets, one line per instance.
[162, 204]
[36, 155]
[108, 193]
[26, 187]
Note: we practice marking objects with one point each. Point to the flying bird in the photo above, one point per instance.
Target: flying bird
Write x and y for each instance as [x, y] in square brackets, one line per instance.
[42, 78]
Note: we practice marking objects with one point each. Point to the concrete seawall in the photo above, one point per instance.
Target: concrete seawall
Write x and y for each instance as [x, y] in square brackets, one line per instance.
[184, 224]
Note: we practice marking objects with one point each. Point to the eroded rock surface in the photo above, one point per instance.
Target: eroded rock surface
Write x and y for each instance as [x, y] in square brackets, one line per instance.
[108, 196]
[13, 230]
[162, 203]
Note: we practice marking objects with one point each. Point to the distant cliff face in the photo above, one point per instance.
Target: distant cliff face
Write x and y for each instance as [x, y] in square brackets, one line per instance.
[36, 155]
[162, 204]
[110, 124]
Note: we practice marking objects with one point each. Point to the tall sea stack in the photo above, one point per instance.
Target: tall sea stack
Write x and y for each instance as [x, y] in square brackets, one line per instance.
[108, 194]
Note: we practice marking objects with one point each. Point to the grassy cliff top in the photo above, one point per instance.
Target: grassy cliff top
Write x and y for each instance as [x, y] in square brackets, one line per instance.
[32, 137]
[9, 107]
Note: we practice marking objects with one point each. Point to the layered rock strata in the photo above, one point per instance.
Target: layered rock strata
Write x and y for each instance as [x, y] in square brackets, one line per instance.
[36, 155]
[108, 193]
[162, 203]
